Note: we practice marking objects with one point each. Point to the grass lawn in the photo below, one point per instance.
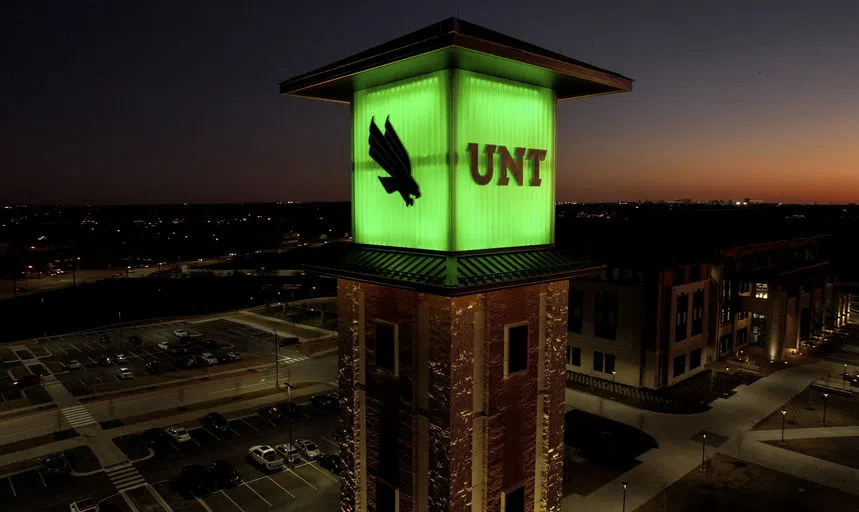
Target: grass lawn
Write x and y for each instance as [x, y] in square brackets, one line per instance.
[806, 410]
[840, 450]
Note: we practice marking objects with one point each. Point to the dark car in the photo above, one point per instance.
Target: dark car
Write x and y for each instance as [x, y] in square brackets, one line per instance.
[272, 414]
[187, 362]
[154, 437]
[228, 357]
[322, 401]
[209, 343]
[225, 474]
[175, 349]
[197, 480]
[215, 422]
[289, 340]
[104, 338]
[55, 465]
[289, 410]
[28, 380]
[135, 340]
[153, 368]
[330, 462]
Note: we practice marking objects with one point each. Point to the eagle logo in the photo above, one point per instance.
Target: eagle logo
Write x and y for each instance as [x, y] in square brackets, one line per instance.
[389, 153]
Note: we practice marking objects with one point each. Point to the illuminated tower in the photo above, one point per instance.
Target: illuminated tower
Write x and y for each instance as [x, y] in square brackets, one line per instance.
[452, 300]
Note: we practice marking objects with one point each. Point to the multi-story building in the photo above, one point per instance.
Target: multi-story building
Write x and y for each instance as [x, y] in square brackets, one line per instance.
[645, 327]
[774, 295]
[649, 322]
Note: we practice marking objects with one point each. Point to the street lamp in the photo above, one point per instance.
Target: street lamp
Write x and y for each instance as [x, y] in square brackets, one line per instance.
[613, 373]
[119, 320]
[625, 485]
[825, 396]
[783, 415]
[845, 376]
[703, 451]
[276, 363]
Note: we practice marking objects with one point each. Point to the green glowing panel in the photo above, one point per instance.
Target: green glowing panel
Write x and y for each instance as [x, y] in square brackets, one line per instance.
[418, 111]
[496, 112]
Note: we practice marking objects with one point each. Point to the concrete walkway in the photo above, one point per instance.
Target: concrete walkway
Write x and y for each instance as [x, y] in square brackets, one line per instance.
[679, 438]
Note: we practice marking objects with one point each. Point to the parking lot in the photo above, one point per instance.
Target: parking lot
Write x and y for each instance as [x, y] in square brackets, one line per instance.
[306, 484]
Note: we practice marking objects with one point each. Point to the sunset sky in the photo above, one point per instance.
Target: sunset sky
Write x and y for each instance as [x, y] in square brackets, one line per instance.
[156, 102]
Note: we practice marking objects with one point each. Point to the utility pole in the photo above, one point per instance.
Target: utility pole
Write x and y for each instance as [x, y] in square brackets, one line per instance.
[276, 363]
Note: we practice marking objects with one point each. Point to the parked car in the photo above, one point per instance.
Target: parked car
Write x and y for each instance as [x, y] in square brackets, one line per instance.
[84, 505]
[178, 434]
[330, 462]
[271, 413]
[187, 362]
[74, 364]
[104, 338]
[175, 349]
[225, 474]
[153, 368]
[216, 422]
[154, 437]
[288, 410]
[180, 333]
[135, 340]
[266, 457]
[55, 465]
[197, 480]
[105, 361]
[308, 449]
[229, 357]
[209, 343]
[209, 358]
[322, 401]
[163, 345]
[28, 380]
[289, 340]
[124, 373]
[290, 453]
[120, 358]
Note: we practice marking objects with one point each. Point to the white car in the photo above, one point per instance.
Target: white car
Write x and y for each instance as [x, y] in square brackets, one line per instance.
[209, 358]
[265, 456]
[163, 345]
[124, 373]
[289, 453]
[308, 448]
[178, 434]
[120, 358]
[180, 333]
[74, 364]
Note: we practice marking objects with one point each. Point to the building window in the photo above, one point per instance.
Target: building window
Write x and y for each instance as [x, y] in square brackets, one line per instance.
[576, 309]
[516, 349]
[759, 329]
[695, 359]
[742, 336]
[387, 349]
[605, 315]
[513, 501]
[574, 356]
[682, 317]
[609, 363]
[697, 311]
[387, 497]
[724, 343]
[761, 290]
[598, 361]
[742, 315]
[679, 365]
[726, 301]
[694, 273]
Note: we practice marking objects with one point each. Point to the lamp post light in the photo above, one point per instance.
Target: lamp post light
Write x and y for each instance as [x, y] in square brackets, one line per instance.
[276, 363]
[783, 416]
[844, 380]
[825, 396]
[703, 451]
[613, 373]
[623, 507]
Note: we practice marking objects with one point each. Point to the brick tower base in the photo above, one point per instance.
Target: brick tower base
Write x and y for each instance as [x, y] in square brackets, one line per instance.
[452, 403]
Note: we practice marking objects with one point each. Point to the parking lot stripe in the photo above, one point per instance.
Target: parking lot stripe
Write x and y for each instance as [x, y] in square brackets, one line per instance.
[255, 492]
[303, 480]
[42, 478]
[248, 424]
[282, 487]
[203, 504]
[87, 345]
[211, 434]
[12, 486]
[75, 347]
[234, 503]
[61, 348]
[332, 443]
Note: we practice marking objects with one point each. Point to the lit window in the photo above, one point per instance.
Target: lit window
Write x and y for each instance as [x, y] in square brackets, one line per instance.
[761, 290]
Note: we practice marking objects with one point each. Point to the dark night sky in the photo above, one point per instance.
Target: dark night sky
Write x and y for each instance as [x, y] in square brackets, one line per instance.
[150, 102]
